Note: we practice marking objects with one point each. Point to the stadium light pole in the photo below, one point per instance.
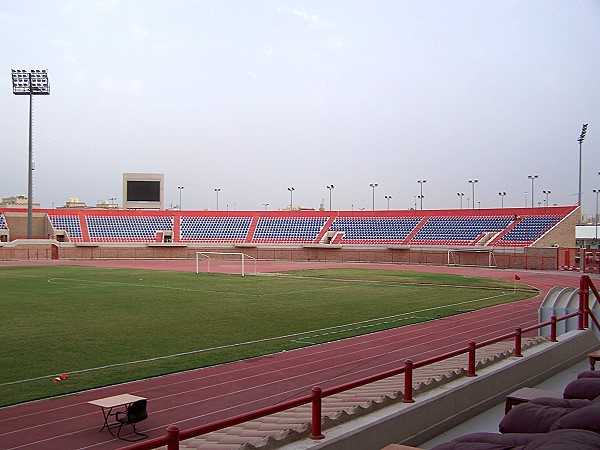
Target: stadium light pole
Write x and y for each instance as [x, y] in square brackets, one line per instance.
[30, 82]
[180, 189]
[421, 196]
[502, 195]
[373, 186]
[532, 178]
[547, 192]
[473, 181]
[330, 187]
[265, 205]
[388, 198]
[460, 195]
[217, 190]
[596, 191]
[580, 139]
[291, 189]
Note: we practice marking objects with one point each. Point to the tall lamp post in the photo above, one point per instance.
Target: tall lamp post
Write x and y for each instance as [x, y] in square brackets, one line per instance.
[373, 185]
[532, 178]
[330, 187]
[547, 192]
[580, 139]
[473, 181]
[388, 198]
[421, 196]
[291, 189]
[460, 195]
[180, 189]
[265, 205]
[596, 191]
[502, 195]
[30, 82]
[217, 190]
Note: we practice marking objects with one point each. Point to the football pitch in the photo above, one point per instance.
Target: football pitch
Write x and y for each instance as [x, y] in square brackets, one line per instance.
[104, 326]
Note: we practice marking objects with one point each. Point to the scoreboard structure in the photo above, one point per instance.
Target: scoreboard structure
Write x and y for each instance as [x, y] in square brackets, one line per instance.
[143, 191]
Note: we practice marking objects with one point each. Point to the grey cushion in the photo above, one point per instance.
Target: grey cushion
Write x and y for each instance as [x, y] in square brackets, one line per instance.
[588, 388]
[566, 440]
[587, 418]
[531, 418]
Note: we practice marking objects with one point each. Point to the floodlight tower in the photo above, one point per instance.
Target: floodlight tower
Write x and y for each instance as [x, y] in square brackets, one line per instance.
[180, 189]
[596, 191]
[502, 195]
[330, 187]
[580, 139]
[473, 181]
[547, 192]
[291, 189]
[460, 195]
[373, 186]
[532, 178]
[217, 190]
[421, 196]
[30, 82]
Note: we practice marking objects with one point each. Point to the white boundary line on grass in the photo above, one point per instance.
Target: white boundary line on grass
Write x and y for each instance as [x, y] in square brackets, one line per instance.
[56, 280]
[239, 344]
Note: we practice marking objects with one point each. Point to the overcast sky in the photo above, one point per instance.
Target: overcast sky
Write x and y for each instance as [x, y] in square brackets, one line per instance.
[253, 97]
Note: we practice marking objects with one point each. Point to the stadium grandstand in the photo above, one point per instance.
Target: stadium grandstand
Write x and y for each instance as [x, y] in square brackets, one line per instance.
[520, 227]
[481, 237]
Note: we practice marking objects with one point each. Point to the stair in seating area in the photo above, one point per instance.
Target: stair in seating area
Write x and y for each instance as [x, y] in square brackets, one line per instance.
[337, 238]
[505, 231]
[251, 230]
[415, 230]
[485, 238]
[324, 230]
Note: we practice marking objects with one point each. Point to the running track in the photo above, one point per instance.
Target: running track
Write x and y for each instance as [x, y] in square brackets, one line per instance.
[201, 396]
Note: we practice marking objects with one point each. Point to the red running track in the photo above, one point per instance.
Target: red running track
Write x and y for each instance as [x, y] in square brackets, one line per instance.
[201, 396]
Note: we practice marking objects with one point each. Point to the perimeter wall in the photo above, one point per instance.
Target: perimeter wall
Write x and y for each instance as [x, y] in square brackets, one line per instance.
[537, 258]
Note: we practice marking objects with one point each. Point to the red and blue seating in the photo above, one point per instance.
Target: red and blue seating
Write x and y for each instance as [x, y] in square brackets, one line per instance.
[214, 229]
[492, 227]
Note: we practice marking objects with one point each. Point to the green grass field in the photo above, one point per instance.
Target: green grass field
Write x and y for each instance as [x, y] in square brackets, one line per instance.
[105, 326]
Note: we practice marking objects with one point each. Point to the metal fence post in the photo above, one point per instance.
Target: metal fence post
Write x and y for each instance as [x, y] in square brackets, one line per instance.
[408, 376]
[471, 369]
[583, 305]
[173, 435]
[518, 335]
[317, 395]
[553, 329]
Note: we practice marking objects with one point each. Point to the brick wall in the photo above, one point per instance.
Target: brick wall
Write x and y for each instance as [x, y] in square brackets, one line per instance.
[529, 258]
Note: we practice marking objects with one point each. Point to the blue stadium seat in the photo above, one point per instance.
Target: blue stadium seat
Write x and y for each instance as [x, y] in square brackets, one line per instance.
[385, 230]
[68, 223]
[288, 230]
[214, 229]
[528, 230]
[458, 230]
[126, 228]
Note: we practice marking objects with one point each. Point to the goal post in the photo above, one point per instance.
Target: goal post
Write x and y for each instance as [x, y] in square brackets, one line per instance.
[472, 258]
[226, 260]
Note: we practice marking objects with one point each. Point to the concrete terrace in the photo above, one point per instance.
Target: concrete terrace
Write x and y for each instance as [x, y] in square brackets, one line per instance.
[372, 416]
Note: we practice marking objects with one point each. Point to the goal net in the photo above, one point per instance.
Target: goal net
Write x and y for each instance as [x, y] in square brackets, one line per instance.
[226, 262]
[471, 258]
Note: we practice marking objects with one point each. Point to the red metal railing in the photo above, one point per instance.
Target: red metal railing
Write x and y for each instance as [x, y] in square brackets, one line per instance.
[174, 434]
